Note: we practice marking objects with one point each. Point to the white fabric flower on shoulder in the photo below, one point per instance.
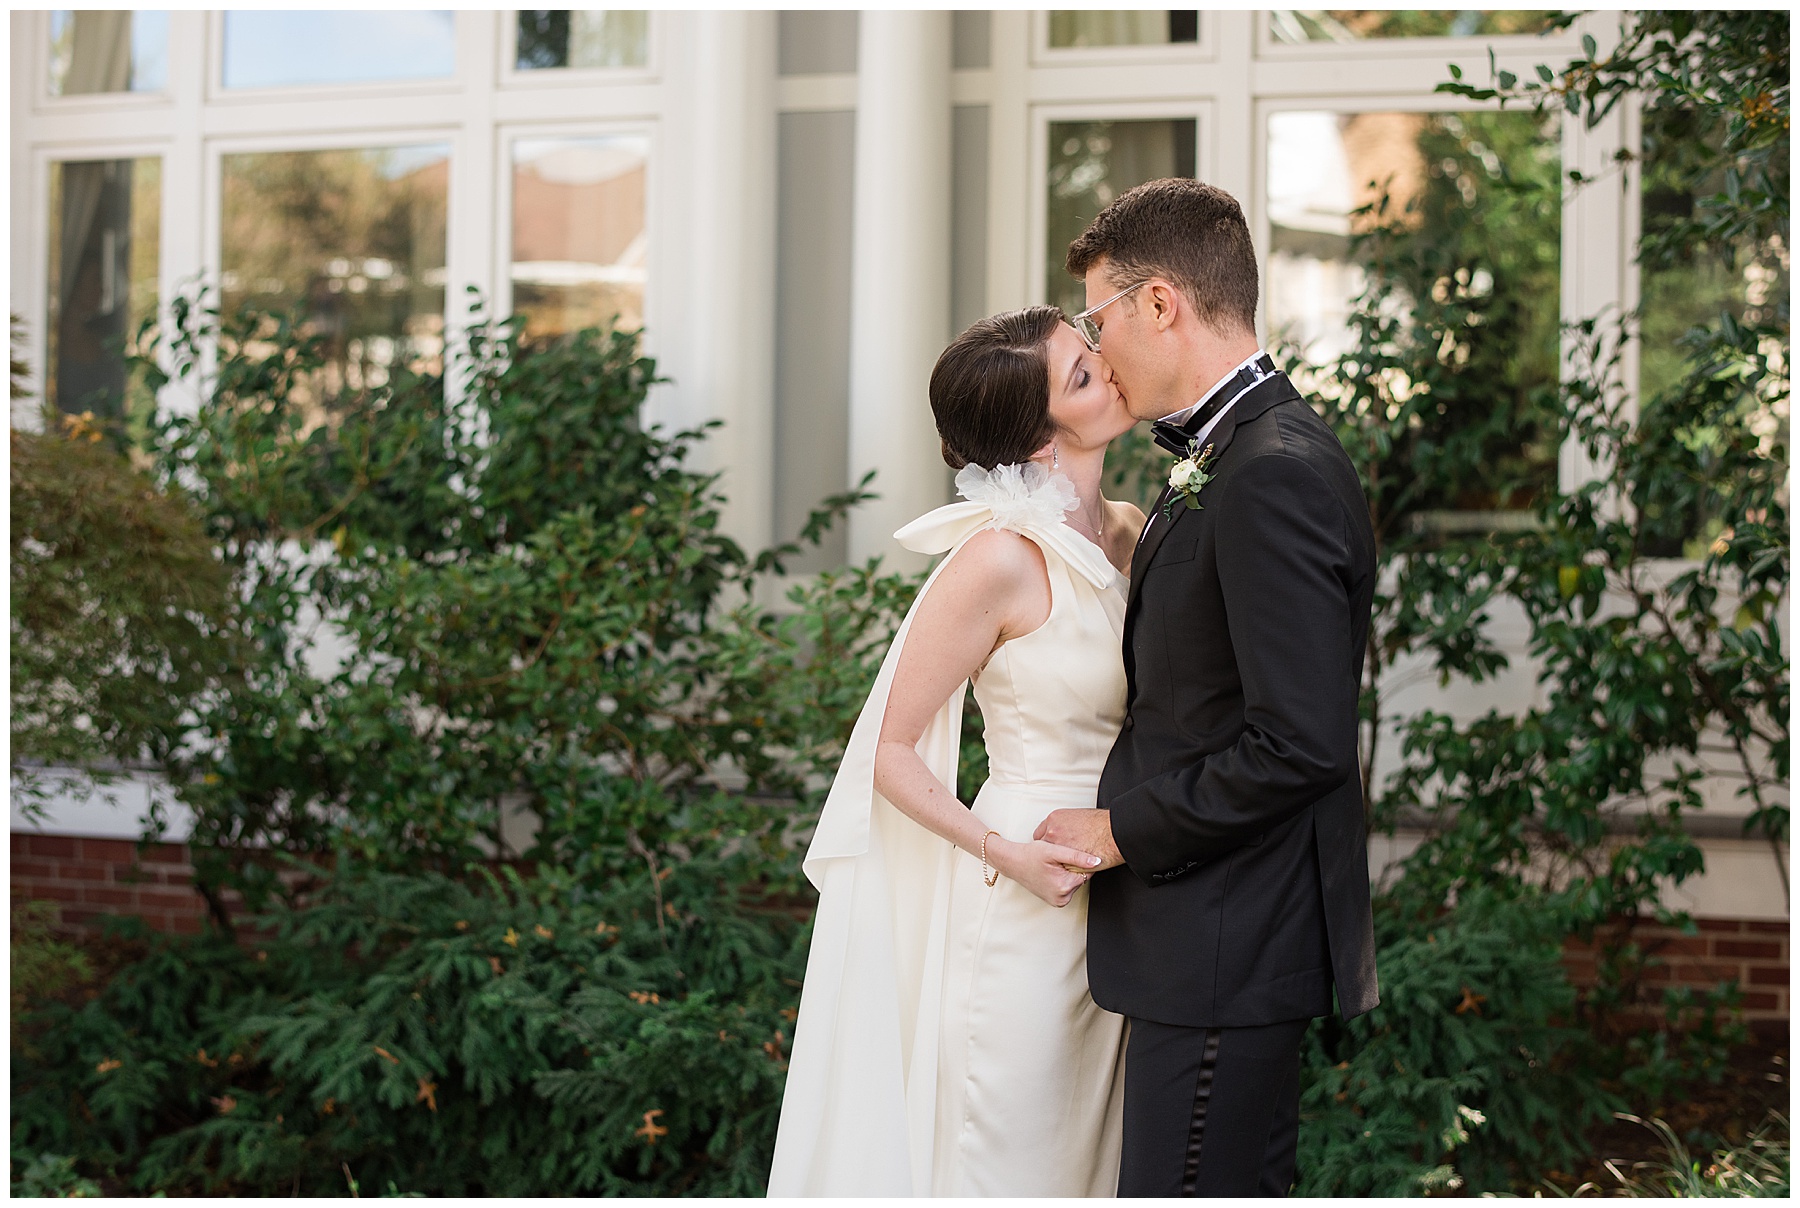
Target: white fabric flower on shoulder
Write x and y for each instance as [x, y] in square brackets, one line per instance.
[1020, 496]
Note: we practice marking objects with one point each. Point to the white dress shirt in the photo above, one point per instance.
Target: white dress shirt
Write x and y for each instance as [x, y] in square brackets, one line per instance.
[1186, 413]
[1206, 429]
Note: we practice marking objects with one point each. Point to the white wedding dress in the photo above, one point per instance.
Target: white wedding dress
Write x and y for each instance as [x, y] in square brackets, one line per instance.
[947, 1043]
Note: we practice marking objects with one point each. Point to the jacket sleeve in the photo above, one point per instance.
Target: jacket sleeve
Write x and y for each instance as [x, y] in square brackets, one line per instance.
[1284, 572]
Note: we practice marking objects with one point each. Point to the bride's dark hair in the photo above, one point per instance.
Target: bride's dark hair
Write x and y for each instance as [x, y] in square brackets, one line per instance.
[990, 389]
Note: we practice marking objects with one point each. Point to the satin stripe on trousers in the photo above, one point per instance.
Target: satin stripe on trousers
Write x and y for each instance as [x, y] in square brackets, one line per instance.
[1211, 1111]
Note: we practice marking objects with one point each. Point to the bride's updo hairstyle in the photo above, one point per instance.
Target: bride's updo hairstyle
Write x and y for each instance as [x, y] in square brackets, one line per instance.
[990, 389]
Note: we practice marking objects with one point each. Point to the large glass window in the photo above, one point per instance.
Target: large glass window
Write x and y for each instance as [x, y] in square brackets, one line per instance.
[1354, 25]
[350, 242]
[1123, 27]
[1450, 224]
[104, 222]
[1691, 279]
[108, 51]
[590, 38]
[1090, 164]
[579, 242]
[265, 49]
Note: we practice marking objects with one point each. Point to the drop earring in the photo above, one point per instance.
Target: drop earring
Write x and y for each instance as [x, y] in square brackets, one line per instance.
[1053, 461]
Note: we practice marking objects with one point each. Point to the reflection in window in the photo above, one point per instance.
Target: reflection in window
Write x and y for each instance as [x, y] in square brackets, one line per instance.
[351, 242]
[1353, 25]
[265, 49]
[1091, 163]
[1688, 283]
[1448, 220]
[579, 242]
[108, 51]
[589, 38]
[104, 235]
[1123, 27]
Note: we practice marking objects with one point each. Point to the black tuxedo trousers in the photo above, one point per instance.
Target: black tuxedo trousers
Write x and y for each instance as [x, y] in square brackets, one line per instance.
[1234, 787]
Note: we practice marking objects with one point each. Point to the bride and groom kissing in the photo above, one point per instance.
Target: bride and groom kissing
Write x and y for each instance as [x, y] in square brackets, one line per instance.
[1095, 978]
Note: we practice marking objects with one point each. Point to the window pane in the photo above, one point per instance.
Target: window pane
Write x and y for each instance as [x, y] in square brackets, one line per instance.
[1123, 28]
[1353, 25]
[1461, 215]
[352, 242]
[1687, 283]
[578, 233]
[1090, 164]
[281, 49]
[105, 219]
[816, 41]
[591, 38]
[109, 51]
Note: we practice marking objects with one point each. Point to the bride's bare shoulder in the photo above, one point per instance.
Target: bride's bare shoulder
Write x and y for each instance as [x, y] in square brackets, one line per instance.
[999, 558]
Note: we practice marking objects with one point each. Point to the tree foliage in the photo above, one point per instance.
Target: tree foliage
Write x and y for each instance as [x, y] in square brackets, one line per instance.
[498, 596]
[118, 606]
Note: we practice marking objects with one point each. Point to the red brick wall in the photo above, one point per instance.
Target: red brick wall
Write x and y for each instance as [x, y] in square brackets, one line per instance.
[1754, 951]
[89, 877]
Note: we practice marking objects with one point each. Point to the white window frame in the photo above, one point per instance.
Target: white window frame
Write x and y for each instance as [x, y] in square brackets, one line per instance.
[513, 133]
[1430, 47]
[218, 94]
[37, 318]
[512, 76]
[38, 25]
[362, 140]
[1200, 112]
[1205, 49]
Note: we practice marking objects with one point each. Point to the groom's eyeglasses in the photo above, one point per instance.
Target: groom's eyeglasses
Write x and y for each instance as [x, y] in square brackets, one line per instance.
[1084, 324]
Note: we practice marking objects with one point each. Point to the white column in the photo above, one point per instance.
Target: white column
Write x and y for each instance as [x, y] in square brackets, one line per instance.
[1599, 227]
[30, 40]
[480, 181]
[1010, 182]
[900, 264]
[724, 360]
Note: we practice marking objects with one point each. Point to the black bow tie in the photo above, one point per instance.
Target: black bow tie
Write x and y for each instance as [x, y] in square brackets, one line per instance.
[1175, 437]
[1172, 437]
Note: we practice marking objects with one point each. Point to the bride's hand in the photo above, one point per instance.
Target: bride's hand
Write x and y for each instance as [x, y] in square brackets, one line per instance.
[1049, 870]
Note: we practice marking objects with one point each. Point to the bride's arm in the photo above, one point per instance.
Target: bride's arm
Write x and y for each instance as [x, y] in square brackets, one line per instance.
[995, 588]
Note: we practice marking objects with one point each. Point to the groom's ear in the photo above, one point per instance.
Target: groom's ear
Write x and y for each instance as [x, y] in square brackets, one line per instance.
[1165, 304]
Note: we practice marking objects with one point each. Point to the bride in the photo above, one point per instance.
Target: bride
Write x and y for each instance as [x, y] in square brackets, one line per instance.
[946, 1043]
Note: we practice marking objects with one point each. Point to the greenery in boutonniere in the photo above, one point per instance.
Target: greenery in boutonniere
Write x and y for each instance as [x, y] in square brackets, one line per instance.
[1188, 475]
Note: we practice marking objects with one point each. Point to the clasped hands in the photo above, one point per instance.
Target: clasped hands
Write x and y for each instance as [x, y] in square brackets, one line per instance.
[1088, 830]
[1068, 847]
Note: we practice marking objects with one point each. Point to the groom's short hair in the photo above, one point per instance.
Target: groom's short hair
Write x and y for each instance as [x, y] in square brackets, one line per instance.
[1190, 233]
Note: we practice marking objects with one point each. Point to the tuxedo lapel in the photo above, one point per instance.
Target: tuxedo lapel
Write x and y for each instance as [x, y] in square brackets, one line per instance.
[1265, 394]
[1154, 536]
[1268, 392]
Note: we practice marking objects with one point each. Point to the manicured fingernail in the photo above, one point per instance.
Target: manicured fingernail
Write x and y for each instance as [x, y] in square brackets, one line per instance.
[1093, 859]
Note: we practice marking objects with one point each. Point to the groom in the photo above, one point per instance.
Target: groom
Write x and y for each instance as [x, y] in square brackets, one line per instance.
[1232, 797]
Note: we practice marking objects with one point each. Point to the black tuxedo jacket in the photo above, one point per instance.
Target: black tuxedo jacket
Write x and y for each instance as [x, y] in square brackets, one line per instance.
[1234, 786]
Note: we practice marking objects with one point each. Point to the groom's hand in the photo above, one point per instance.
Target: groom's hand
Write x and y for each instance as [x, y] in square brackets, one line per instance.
[1084, 830]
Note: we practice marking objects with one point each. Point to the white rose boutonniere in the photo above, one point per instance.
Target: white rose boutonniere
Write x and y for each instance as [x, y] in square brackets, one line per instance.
[1188, 475]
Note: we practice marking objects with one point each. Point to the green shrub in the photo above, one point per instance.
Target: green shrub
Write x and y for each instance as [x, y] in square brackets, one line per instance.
[1469, 1075]
[44, 966]
[504, 1036]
